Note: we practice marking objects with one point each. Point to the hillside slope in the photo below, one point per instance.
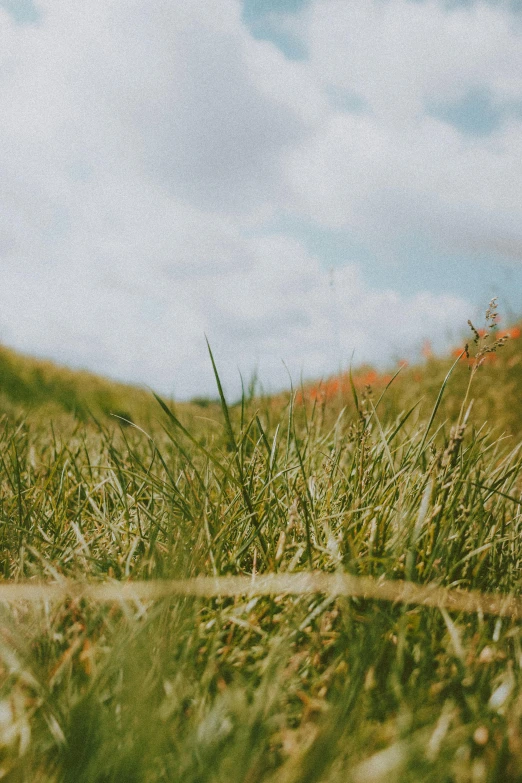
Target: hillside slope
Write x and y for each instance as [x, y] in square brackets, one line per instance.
[33, 384]
[493, 364]
[29, 384]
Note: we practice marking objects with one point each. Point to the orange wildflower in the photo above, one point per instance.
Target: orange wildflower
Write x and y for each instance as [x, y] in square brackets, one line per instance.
[332, 387]
[514, 332]
[427, 350]
[370, 379]
[456, 352]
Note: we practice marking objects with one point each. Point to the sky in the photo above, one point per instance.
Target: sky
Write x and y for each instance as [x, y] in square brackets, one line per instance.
[300, 181]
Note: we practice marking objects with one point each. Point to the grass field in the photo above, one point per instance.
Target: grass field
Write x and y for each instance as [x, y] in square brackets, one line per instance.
[415, 478]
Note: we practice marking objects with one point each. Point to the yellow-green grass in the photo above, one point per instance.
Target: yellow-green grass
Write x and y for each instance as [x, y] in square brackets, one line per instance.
[416, 485]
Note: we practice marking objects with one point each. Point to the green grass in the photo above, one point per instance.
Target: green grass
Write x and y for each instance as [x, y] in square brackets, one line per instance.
[41, 387]
[293, 689]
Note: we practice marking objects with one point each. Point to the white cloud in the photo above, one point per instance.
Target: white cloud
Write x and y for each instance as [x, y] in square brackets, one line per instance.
[393, 169]
[143, 147]
[398, 53]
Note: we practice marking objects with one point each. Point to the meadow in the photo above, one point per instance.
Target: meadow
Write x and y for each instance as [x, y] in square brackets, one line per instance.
[413, 476]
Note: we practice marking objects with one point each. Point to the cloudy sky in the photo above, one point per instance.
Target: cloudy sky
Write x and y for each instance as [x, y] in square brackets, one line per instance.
[295, 179]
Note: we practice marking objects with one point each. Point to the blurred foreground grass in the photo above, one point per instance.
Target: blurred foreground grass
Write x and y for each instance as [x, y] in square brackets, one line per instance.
[414, 485]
